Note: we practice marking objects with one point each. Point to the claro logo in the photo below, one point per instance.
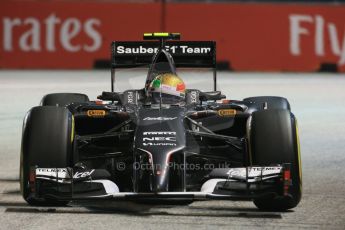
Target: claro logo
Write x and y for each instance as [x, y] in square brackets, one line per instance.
[35, 35]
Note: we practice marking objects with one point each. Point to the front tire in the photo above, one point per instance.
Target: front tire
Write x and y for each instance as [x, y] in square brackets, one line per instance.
[47, 143]
[63, 99]
[274, 140]
[258, 103]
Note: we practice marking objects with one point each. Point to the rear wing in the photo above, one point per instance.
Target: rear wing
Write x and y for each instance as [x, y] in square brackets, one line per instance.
[189, 54]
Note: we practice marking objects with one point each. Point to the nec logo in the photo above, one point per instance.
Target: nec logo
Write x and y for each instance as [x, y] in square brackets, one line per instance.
[159, 118]
[159, 139]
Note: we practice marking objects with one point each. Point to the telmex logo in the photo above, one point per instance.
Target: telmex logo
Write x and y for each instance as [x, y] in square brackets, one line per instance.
[159, 118]
[43, 170]
[172, 49]
[96, 113]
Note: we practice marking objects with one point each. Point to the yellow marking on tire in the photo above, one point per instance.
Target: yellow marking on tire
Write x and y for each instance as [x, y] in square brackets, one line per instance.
[249, 145]
[299, 154]
[72, 130]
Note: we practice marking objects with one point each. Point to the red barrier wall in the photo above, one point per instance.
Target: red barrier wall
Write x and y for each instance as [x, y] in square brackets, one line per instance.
[266, 36]
[251, 37]
[69, 35]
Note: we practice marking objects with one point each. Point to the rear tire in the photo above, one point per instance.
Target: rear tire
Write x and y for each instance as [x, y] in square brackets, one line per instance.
[274, 140]
[46, 142]
[257, 103]
[63, 99]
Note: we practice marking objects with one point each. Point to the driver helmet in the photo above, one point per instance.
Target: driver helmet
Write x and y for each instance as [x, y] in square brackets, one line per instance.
[167, 87]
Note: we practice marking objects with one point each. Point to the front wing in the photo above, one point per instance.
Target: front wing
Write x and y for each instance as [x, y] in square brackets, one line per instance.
[244, 183]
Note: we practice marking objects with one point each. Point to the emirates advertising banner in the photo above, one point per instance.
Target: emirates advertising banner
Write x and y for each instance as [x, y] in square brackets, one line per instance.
[250, 37]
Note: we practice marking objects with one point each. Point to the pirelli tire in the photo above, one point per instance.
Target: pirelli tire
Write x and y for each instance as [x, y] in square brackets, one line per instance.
[63, 99]
[47, 139]
[271, 102]
[273, 139]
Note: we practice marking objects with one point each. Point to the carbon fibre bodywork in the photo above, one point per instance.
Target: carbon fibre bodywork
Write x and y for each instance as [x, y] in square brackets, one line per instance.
[126, 147]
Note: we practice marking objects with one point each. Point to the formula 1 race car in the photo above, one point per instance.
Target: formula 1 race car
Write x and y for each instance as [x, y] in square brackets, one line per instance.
[161, 143]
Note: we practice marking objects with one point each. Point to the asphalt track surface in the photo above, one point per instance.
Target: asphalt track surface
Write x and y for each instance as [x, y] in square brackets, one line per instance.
[318, 101]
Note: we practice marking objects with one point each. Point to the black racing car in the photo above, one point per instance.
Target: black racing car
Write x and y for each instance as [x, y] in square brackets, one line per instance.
[133, 146]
